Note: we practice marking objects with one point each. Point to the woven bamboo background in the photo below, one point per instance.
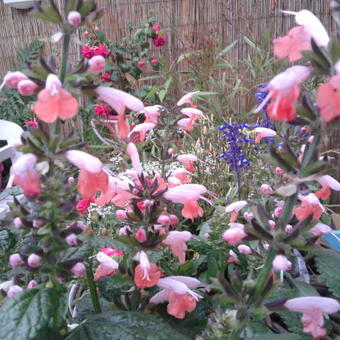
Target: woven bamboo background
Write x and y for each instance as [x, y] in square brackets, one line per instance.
[185, 21]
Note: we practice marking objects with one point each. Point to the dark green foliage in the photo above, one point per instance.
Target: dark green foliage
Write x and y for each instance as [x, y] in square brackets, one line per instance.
[28, 54]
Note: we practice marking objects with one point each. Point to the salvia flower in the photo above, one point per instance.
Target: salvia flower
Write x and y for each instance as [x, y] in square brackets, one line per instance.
[177, 242]
[146, 274]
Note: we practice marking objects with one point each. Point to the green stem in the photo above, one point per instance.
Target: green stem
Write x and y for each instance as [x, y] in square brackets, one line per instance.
[66, 46]
[262, 278]
[93, 290]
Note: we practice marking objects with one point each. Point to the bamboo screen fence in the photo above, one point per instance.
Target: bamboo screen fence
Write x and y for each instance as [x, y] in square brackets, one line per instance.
[185, 21]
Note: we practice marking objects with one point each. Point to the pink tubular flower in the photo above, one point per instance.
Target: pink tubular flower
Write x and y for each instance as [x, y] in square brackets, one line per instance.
[151, 113]
[133, 153]
[234, 209]
[177, 242]
[141, 130]
[107, 266]
[12, 79]
[55, 102]
[310, 204]
[146, 274]
[74, 18]
[262, 132]
[164, 219]
[181, 175]
[188, 123]
[235, 234]
[188, 160]
[78, 269]
[119, 100]
[177, 291]
[32, 284]
[279, 171]
[244, 249]
[284, 90]
[96, 64]
[266, 189]
[248, 216]
[187, 98]
[188, 195]
[327, 183]
[281, 263]
[71, 240]
[92, 177]
[320, 229]
[27, 87]
[313, 309]
[25, 175]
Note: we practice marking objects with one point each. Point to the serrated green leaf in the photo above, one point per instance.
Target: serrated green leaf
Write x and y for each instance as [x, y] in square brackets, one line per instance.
[7, 241]
[127, 326]
[328, 264]
[273, 336]
[33, 314]
[28, 54]
[113, 286]
[74, 254]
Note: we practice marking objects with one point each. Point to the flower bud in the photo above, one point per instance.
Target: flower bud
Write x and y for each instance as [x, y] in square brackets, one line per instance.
[174, 219]
[265, 189]
[12, 79]
[27, 87]
[172, 151]
[32, 284]
[74, 18]
[78, 269]
[124, 231]
[141, 63]
[96, 64]
[15, 260]
[86, 33]
[14, 290]
[71, 240]
[278, 211]
[288, 228]
[34, 260]
[71, 180]
[233, 257]
[121, 215]
[235, 234]
[272, 224]
[279, 171]
[156, 28]
[281, 262]
[38, 223]
[244, 249]
[96, 29]
[248, 216]
[18, 223]
[154, 61]
[164, 219]
[140, 235]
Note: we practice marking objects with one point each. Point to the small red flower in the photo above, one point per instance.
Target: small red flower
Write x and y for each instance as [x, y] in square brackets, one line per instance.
[103, 110]
[83, 205]
[32, 123]
[87, 52]
[159, 41]
[101, 50]
[106, 77]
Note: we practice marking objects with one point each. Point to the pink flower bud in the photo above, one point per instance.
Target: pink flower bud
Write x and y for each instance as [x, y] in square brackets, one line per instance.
[32, 284]
[124, 231]
[15, 260]
[140, 235]
[96, 64]
[156, 28]
[86, 33]
[172, 152]
[272, 224]
[34, 260]
[266, 246]
[279, 171]
[278, 211]
[71, 240]
[244, 249]
[288, 228]
[265, 189]
[121, 215]
[233, 257]
[174, 219]
[18, 223]
[27, 87]
[38, 223]
[12, 79]
[281, 263]
[248, 216]
[78, 269]
[96, 29]
[14, 290]
[206, 235]
[74, 18]
[234, 234]
[164, 219]
[141, 63]
[154, 61]
[71, 180]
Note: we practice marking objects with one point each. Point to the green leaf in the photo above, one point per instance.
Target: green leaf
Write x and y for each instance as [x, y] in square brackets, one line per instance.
[28, 54]
[327, 262]
[111, 287]
[7, 241]
[97, 242]
[273, 336]
[127, 326]
[33, 314]
[310, 154]
[227, 49]
[162, 94]
[74, 254]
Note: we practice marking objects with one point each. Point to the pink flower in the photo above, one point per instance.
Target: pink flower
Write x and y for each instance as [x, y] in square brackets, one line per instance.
[181, 175]
[121, 215]
[159, 41]
[262, 132]
[112, 252]
[25, 175]
[278, 211]
[55, 102]
[244, 249]
[141, 130]
[92, 177]
[133, 153]
[164, 219]
[186, 99]
[140, 235]
[313, 309]
[34, 260]
[14, 290]
[6, 285]
[288, 228]
[71, 239]
[284, 90]
[27, 87]
[15, 260]
[12, 79]
[327, 183]
[281, 263]
[18, 223]
[140, 63]
[74, 18]
[177, 291]
[156, 28]
[87, 52]
[146, 274]
[188, 195]
[279, 171]
[320, 229]
[101, 50]
[103, 110]
[32, 284]
[154, 61]
[266, 189]
[234, 209]
[235, 234]
[177, 242]
[248, 216]
[119, 101]
[78, 269]
[151, 113]
[96, 64]
[32, 123]
[107, 266]
[83, 205]
[232, 257]
[188, 160]
[106, 77]
[310, 204]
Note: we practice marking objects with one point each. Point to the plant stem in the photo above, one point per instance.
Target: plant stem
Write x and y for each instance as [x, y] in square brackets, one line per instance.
[66, 46]
[92, 288]
[261, 280]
